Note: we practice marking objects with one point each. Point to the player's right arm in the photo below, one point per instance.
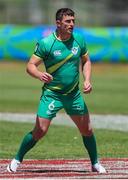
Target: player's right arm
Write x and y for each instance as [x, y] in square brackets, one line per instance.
[32, 69]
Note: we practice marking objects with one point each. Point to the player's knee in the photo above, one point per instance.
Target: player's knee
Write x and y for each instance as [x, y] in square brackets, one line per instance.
[87, 132]
[39, 133]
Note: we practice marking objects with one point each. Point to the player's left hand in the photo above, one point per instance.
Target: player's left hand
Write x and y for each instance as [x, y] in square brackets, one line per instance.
[87, 87]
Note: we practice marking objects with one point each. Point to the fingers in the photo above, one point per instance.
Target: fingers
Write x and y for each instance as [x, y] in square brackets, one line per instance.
[46, 77]
[87, 88]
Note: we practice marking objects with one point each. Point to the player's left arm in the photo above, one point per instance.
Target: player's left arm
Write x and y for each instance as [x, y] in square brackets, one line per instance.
[86, 69]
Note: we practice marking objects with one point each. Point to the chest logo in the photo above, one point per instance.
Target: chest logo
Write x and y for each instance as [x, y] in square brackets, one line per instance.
[57, 52]
[74, 50]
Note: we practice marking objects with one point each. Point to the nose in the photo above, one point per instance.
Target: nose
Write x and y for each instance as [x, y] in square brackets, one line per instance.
[72, 23]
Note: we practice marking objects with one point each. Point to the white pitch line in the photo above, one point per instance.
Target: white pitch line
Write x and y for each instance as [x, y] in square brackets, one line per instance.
[113, 122]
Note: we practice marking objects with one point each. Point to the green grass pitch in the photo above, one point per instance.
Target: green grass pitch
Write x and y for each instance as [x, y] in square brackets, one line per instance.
[60, 142]
[20, 93]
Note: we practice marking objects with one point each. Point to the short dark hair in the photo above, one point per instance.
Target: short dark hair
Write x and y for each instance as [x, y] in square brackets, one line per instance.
[64, 11]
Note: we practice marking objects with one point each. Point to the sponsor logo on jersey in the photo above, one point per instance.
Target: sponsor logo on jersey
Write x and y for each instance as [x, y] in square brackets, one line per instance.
[57, 53]
[74, 50]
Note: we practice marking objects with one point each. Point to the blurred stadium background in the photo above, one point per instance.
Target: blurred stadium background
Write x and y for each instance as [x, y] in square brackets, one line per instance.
[90, 13]
[104, 24]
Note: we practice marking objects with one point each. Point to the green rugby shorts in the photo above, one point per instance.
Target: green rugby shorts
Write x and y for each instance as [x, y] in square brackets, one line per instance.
[51, 102]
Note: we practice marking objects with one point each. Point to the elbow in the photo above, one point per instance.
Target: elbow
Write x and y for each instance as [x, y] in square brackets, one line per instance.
[27, 69]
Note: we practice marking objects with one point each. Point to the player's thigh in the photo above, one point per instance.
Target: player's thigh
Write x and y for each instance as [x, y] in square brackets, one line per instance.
[49, 105]
[74, 104]
[83, 123]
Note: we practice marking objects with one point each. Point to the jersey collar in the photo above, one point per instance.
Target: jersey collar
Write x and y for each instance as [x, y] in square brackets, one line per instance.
[55, 35]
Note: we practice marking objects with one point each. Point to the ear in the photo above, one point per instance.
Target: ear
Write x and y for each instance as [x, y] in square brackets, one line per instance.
[58, 23]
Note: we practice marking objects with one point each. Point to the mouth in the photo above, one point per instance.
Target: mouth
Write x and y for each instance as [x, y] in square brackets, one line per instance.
[70, 29]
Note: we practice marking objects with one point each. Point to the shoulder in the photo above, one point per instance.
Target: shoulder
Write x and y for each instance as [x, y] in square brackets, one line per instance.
[80, 40]
[78, 36]
[47, 39]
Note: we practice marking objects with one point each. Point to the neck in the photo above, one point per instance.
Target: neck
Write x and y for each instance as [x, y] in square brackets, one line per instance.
[63, 36]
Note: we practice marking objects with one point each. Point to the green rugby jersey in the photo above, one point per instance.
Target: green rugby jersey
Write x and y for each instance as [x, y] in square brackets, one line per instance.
[62, 59]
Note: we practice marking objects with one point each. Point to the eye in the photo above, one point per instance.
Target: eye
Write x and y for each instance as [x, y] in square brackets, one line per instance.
[69, 21]
[73, 21]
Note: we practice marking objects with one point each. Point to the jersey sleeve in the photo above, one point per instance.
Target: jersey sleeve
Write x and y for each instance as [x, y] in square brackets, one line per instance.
[83, 47]
[40, 49]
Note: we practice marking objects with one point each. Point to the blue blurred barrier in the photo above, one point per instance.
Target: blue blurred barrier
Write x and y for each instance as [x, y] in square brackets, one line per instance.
[104, 44]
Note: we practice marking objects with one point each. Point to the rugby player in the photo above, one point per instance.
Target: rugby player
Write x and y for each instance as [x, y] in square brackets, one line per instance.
[62, 53]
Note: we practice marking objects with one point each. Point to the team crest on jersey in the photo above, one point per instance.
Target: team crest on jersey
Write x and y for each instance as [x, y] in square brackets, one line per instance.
[74, 50]
[57, 53]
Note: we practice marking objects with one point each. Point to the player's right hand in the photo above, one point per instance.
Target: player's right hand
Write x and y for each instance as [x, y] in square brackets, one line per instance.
[45, 77]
